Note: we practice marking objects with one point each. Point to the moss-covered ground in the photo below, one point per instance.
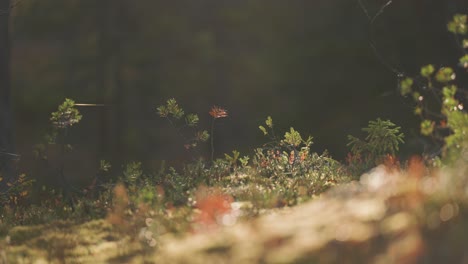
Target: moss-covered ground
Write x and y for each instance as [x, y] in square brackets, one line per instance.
[386, 217]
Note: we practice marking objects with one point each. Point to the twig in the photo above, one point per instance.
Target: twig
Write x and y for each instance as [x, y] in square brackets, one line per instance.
[381, 11]
[10, 154]
[87, 105]
[371, 20]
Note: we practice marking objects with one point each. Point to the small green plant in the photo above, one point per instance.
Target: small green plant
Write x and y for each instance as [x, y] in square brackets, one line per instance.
[65, 117]
[174, 114]
[443, 118]
[383, 138]
[235, 158]
[273, 158]
[290, 156]
[104, 166]
[17, 190]
[132, 173]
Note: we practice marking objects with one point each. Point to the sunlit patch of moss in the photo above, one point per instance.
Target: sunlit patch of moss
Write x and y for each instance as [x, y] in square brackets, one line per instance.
[22, 234]
[67, 242]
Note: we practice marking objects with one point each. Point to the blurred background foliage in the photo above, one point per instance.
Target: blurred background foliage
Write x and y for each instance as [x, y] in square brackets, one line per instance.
[308, 64]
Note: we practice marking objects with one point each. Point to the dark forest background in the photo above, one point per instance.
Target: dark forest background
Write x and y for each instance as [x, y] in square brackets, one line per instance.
[306, 63]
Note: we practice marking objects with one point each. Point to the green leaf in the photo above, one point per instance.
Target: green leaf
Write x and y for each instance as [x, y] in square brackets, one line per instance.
[449, 104]
[449, 91]
[162, 111]
[427, 127]
[418, 110]
[66, 115]
[171, 108]
[265, 132]
[269, 122]
[132, 172]
[235, 154]
[292, 137]
[357, 145]
[458, 24]
[174, 108]
[457, 142]
[191, 120]
[309, 141]
[405, 86]
[427, 70]
[104, 165]
[228, 157]
[464, 61]
[244, 161]
[417, 97]
[445, 75]
[202, 136]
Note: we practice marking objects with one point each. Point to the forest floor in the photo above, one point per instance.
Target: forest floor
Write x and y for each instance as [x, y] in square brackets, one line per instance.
[387, 217]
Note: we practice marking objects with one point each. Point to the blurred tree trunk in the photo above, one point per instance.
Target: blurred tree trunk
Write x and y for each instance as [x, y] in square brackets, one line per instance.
[6, 122]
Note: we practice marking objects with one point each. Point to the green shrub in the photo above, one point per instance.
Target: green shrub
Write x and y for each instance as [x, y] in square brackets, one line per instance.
[284, 156]
[383, 138]
[450, 127]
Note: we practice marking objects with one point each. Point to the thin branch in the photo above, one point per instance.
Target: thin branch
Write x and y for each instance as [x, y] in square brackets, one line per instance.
[363, 7]
[10, 154]
[381, 11]
[87, 105]
[371, 20]
[381, 59]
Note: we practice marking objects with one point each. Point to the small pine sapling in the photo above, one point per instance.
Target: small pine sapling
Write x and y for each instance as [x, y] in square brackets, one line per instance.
[65, 117]
[174, 114]
[383, 138]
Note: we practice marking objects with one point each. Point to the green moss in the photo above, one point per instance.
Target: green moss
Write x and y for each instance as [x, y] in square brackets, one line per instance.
[22, 234]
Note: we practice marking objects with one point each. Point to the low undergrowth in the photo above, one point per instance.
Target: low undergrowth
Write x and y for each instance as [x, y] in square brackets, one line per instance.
[128, 215]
